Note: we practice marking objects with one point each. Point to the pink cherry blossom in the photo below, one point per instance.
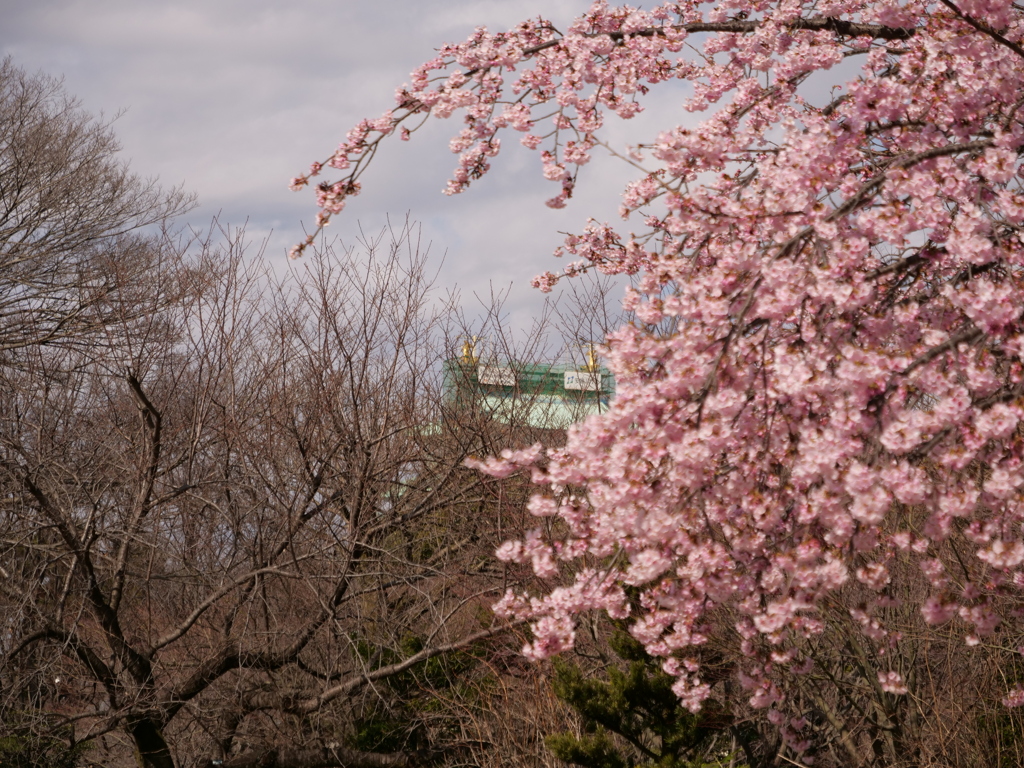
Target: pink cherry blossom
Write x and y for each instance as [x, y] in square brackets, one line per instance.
[892, 682]
[841, 276]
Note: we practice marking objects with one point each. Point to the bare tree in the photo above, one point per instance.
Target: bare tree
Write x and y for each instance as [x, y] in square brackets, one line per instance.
[242, 526]
[73, 218]
[235, 523]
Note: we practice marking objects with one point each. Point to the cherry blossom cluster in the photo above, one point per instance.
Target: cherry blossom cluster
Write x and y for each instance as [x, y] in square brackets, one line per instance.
[842, 387]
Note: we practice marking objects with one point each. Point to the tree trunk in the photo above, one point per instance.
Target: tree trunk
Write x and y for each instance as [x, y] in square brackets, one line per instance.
[151, 750]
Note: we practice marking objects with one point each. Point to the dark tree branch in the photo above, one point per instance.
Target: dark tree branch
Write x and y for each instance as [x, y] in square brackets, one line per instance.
[325, 757]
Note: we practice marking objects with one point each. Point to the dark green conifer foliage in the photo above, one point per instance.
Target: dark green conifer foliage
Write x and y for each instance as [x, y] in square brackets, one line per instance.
[22, 746]
[408, 715]
[637, 705]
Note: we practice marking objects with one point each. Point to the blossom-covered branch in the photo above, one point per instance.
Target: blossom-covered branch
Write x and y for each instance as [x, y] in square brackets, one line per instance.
[841, 388]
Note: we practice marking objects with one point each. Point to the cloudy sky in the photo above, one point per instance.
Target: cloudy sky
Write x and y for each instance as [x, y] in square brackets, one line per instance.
[232, 98]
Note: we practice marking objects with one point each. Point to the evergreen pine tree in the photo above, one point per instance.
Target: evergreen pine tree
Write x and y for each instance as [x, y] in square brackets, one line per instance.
[631, 719]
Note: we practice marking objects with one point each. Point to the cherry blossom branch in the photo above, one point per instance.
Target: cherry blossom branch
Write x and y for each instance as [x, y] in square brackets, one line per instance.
[985, 29]
[797, 267]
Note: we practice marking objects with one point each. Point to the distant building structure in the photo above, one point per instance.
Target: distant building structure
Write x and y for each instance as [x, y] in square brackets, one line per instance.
[541, 395]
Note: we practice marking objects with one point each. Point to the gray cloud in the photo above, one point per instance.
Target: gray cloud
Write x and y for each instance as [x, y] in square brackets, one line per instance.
[232, 99]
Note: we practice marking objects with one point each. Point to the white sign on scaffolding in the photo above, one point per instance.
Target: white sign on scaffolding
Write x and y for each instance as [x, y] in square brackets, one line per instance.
[582, 380]
[496, 376]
